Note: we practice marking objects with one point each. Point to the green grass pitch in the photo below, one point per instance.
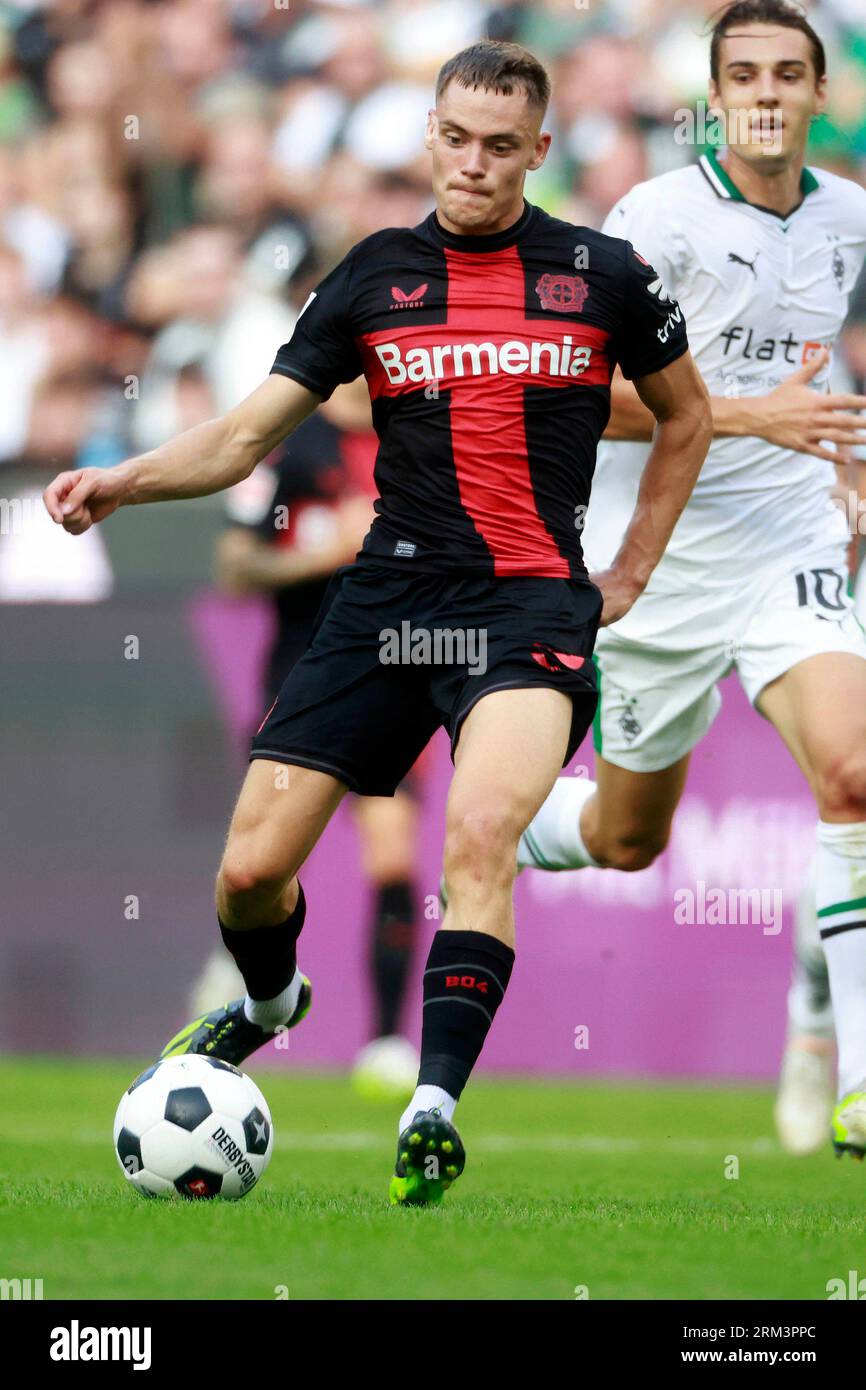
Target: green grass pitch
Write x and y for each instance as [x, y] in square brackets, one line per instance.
[621, 1190]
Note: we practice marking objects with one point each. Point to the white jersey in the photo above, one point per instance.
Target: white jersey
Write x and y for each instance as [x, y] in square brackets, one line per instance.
[760, 294]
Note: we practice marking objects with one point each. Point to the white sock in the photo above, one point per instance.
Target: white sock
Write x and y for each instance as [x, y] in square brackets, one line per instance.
[427, 1098]
[553, 839]
[810, 1011]
[841, 900]
[270, 1013]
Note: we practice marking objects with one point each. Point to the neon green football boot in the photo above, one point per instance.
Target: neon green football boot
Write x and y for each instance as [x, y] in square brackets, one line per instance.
[849, 1126]
[227, 1034]
[430, 1157]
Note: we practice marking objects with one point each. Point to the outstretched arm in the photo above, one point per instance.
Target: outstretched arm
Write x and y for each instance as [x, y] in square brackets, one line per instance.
[202, 460]
[794, 416]
[677, 402]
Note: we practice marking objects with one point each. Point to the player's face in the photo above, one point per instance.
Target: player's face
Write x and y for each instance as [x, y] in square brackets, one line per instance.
[769, 93]
[483, 144]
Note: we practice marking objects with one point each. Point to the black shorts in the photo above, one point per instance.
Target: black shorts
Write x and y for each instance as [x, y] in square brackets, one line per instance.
[394, 655]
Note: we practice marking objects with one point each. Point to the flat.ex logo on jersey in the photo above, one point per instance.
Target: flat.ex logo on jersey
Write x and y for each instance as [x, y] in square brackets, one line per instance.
[564, 294]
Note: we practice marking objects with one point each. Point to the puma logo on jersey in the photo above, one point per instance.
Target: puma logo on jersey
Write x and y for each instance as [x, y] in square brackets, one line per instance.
[740, 260]
[413, 300]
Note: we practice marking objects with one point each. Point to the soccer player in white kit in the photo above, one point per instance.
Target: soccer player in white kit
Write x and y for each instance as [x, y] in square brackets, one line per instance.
[806, 1084]
[762, 254]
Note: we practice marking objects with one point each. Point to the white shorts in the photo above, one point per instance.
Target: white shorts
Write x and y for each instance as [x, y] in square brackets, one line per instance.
[659, 667]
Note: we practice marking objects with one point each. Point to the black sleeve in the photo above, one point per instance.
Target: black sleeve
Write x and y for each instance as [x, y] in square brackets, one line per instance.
[652, 333]
[322, 351]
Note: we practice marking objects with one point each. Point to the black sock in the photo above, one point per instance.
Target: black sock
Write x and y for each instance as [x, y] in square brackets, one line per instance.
[266, 956]
[465, 982]
[393, 939]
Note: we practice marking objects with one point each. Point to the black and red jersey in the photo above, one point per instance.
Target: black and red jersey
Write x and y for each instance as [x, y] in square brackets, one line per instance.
[488, 360]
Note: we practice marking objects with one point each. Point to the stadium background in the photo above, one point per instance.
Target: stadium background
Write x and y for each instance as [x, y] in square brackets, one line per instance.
[173, 179]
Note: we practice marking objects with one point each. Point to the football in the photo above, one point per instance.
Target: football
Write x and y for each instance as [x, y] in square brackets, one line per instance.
[386, 1070]
[193, 1127]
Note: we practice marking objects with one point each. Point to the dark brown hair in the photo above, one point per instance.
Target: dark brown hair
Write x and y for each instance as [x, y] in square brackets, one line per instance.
[498, 67]
[780, 12]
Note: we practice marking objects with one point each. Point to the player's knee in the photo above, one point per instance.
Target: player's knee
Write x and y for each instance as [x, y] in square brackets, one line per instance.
[842, 786]
[483, 840]
[244, 877]
[631, 853]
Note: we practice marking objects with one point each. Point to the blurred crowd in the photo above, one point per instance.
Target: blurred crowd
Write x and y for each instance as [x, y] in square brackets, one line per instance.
[175, 176]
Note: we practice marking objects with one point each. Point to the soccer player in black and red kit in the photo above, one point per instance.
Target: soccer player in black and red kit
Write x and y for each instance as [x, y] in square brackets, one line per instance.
[298, 517]
[487, 336]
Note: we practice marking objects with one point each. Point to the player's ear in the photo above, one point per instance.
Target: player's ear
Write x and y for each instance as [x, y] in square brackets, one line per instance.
[714, 97]
[821, 95]
[431, 129]
[539, 154]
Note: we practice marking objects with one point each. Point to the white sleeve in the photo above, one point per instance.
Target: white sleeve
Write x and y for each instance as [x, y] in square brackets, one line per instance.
[643, 219]
[861, 206]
